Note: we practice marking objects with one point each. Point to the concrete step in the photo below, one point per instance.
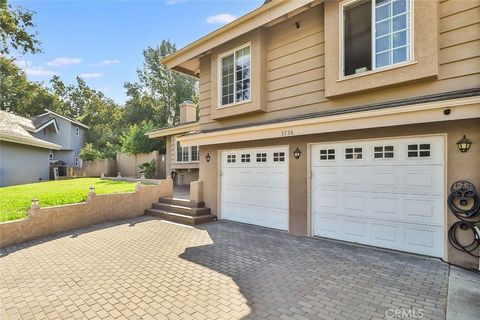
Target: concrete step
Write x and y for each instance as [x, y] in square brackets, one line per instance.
[181, 202]
[180, 218]
[187, 210]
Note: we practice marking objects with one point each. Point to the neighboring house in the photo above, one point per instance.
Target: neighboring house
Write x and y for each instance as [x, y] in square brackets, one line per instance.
[68, 133]
[23, 157]
[340, 119]
[181, 163]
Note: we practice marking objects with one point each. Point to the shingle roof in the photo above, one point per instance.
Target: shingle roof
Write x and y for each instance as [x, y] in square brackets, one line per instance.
[39, 121]
[16, 129]
[360, 108]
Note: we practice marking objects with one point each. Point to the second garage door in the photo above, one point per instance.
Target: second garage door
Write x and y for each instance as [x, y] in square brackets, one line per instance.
[254, 186]
[386, 193]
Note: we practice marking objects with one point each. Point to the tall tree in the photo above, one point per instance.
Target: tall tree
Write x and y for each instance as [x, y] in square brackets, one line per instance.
[16, 24]
[159, 88]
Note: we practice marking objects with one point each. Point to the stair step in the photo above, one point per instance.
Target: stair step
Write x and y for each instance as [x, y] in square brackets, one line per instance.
[187, 210]
[180, 218]
[181, 202]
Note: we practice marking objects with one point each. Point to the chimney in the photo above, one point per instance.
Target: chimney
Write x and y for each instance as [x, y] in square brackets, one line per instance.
[188, 112]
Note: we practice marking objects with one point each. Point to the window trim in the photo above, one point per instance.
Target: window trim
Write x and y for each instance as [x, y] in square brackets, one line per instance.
[341, 35]
[219, 77]
[76, 162]
[189, 154]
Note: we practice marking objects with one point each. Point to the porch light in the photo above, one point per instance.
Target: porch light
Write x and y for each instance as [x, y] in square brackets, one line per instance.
[207, 157]
[297, 153]
[464, 144]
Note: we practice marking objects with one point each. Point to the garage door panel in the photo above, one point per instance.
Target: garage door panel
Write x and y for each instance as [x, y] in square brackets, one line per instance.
[394, 202]
[255, 192]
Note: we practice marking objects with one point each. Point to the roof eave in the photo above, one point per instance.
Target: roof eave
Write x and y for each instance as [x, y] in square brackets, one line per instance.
[188, 127]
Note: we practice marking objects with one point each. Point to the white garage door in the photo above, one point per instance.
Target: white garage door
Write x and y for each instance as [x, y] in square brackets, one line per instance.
[386, 193]
[255, 186]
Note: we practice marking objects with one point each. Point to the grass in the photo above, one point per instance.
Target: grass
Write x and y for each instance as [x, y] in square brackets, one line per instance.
[16, 200]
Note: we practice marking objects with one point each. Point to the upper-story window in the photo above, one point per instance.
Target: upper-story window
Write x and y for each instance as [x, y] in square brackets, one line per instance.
[77, 131]
[376, 34]
[187, 154]
[235, 76]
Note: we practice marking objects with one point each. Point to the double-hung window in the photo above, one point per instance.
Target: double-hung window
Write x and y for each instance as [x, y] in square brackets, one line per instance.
[235, 76]
[376, 34]
[187, 154]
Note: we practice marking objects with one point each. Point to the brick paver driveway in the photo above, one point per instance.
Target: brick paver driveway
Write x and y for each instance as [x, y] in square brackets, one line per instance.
[145, 268]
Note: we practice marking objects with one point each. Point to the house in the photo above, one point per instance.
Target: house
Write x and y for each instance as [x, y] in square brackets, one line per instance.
[68, 133]
[24, 158]
[340, 119]
[181, 162]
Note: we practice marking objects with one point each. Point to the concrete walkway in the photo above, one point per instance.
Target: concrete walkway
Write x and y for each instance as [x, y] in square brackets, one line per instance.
[463, 295]
[145, 268]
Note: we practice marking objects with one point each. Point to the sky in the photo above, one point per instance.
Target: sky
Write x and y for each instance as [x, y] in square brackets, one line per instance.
[102, 41]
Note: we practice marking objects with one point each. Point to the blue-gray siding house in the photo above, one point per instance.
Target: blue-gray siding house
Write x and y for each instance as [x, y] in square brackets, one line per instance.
[24, 158]
[70, 134]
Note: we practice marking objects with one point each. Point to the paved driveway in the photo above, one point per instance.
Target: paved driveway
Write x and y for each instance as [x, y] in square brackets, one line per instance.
[145, 268]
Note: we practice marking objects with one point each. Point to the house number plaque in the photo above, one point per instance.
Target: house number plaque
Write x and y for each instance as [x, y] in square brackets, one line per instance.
[287, 133]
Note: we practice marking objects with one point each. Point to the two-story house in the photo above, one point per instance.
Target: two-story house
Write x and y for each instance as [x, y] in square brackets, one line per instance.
[68, 133]
[340, 119]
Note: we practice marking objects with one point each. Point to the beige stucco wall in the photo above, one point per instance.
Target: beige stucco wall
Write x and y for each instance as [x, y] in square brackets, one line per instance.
[295, 65]
[459, 166]
[98, 208]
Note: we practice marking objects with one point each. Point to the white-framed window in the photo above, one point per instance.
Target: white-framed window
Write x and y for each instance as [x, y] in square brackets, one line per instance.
[77, 131]
[77, 161]
[245, 157]
[353, 153]
[231, 158]
[187, 154]
[383, 152]
[51, 155]
[261, 157]
[422, 150]
[279, 157]
[376, 34]
[234, 76]
[327, 154]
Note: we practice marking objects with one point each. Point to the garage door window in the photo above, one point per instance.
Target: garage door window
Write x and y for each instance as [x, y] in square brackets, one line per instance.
[246, 157]
[261, 157]
[383, 152]
[419, 150]
[231, 158]
[353, 153]
[327, 154]
[279, 157]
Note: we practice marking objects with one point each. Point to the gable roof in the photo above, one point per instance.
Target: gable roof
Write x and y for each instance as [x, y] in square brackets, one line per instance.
[50, 113]
[16, 129]
[41, 123]
[186, 60]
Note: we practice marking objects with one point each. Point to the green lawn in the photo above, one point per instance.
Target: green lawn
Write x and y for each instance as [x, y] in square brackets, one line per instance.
[16, 200]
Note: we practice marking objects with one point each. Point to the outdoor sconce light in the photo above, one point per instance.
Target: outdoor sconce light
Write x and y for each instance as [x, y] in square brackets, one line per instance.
[464, 144]
[297, 153]
[207, 157]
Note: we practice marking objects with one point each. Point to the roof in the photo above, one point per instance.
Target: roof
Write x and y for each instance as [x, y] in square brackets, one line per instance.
[49, 113]
[172, 130]
[16, 129]
[474, 92]
[43, 122]
[186, 60]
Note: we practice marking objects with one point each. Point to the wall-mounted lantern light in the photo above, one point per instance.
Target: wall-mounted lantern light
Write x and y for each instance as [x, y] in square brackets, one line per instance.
[207, 157]
[464, 144]
[297, 153]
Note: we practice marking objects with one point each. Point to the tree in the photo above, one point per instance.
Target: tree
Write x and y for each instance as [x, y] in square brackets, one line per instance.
[159, 90]
[15, 30]
[89, 153]
[135, 140]
[22, 96]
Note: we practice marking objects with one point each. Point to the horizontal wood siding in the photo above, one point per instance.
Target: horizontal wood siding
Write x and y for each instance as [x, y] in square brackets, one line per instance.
[295, 66]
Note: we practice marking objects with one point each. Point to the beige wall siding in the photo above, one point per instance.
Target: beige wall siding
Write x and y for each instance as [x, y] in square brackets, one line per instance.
[296, 71]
